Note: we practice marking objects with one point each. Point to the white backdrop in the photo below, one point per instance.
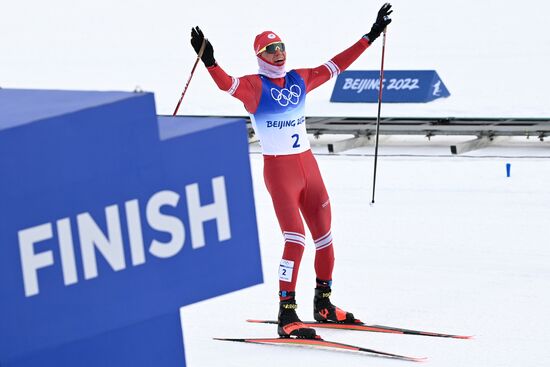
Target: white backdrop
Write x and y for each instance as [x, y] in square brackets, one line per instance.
[492, 55]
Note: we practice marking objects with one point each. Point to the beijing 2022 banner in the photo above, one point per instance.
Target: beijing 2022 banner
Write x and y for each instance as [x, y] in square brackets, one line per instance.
[399, 86]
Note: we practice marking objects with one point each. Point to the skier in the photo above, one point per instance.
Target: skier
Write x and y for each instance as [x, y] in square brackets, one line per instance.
[275, 100]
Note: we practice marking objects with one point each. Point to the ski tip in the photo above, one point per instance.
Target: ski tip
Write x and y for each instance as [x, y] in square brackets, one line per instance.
[407, 358]
[419, 359]
[460, 336]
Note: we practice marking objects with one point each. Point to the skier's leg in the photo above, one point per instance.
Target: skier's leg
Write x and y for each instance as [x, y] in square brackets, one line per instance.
[284, 181]
[315, 207]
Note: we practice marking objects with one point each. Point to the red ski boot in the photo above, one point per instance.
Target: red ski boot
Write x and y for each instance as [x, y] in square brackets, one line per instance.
[325, 311]
[290, 324]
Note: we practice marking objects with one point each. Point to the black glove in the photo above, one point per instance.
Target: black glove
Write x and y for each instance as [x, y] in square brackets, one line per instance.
[382, 20]
[196, 41]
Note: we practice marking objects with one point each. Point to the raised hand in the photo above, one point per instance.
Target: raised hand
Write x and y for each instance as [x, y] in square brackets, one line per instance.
[197, 38]
[382, 20]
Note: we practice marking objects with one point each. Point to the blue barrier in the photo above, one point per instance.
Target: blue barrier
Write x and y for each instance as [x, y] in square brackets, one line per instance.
[399, 86]
[111, 219]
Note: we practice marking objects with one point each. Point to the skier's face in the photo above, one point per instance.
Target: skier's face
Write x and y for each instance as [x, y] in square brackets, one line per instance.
[276, 58]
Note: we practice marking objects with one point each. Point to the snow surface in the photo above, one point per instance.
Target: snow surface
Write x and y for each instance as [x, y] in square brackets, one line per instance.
[451, 245]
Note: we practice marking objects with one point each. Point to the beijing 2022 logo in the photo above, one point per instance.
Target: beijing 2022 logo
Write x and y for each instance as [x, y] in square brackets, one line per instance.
[285, 96]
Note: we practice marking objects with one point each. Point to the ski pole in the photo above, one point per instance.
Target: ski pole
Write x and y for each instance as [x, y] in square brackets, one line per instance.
[199, 55]
[378, 117]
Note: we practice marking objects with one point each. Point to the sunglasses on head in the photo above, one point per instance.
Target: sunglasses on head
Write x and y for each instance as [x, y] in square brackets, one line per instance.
[273, 47]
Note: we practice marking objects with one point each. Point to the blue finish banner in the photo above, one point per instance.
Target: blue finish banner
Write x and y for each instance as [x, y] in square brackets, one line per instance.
[111, 219]
[399, 86]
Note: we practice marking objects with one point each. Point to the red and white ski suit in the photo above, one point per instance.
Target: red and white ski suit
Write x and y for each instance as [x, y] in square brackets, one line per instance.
[293, 179]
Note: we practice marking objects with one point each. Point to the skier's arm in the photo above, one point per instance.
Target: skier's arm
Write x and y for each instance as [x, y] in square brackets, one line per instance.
[316, 76]
[319, 75]
[247, 89]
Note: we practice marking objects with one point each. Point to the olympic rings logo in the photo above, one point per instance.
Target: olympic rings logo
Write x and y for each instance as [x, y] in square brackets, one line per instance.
[286, 96]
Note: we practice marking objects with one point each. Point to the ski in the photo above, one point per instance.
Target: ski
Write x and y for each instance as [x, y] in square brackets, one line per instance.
[373, 328]
[322, 344]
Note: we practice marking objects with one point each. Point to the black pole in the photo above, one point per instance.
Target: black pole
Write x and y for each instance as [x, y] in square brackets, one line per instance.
[378, 117]
[201, 50]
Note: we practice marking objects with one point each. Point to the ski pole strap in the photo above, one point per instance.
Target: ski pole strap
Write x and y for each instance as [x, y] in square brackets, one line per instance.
[203, 46]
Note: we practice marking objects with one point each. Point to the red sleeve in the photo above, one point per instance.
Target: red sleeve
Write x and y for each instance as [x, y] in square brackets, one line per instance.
[247, 89]
[316, 76]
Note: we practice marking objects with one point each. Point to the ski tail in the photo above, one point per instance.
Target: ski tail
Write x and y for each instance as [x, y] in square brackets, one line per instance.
[263, 321]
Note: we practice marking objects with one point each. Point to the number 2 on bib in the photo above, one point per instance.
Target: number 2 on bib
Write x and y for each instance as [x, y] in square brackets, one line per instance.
[296, 138]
